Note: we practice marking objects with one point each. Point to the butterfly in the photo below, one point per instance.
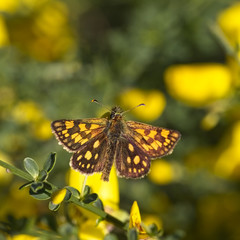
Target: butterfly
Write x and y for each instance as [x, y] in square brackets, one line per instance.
[98, 143]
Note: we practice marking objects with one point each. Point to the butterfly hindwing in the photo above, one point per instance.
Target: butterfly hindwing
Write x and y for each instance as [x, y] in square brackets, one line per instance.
[73, 134]
[154, 141]
[90, 158]
[131, 161]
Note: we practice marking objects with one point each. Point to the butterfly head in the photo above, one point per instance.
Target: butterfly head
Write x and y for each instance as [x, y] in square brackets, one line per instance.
[116, 112]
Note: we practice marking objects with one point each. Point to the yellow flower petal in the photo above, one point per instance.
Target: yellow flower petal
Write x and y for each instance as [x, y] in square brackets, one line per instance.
[59, 196]
[135, 217]
[108, 192]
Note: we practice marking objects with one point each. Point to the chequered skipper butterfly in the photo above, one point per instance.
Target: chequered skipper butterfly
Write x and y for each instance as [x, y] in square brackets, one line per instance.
[97, 143]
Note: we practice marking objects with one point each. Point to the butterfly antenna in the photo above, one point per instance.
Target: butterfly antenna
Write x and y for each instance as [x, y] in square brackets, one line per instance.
[139, 105]
[96, 101]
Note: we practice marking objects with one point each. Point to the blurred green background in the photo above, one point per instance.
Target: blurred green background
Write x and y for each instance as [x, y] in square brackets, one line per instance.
[179, 57]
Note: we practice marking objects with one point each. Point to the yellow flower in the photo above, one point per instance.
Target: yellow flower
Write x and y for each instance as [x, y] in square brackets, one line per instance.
[162, 172]
[198, 84]
[135, 221]
[59, 196]
[109, 194]
[228, 163]
[107, 191]
[229, 22]
[153, 99]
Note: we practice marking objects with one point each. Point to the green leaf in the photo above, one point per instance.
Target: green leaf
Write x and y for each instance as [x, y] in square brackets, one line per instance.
[40, 192]
[73, 191]
[53, 207]
[26, 185]
[90, 198]
[98, 203]
[31, 167]
[42, 176]
[37, 186]
[132, 234]
[86, 191]
[50, 162]
[40, 195]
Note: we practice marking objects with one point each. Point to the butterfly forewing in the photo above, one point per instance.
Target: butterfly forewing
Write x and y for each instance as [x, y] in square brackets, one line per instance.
[131, 161]
[90, 158]
[74, 134]
[154, 141]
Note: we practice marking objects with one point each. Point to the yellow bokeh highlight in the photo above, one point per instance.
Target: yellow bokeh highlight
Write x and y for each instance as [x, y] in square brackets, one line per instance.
[42, 129]
[161, 172]
[26, 112]
[3, 33]
[9, 6]
[23, 237]
[153, 99]
[43, 31]
[229, 21]
[59, 196]
[5, 176]
[150, 219]
[228, 163]
[198, 84]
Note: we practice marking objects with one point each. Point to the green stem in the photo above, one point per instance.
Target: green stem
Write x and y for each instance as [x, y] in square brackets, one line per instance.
[18, 172]
[83, 186]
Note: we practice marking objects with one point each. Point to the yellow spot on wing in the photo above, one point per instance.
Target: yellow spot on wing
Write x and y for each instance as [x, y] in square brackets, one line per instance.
[84, 141]
[94, 126]
[96, 156]
[64, 131]
[69, 124]
[164, 133]
[134, 170]
[175, 134]
[82, 127]
[79, 157]
[152, 134]
[74, 135]
[88, 155]
[129, 160]
[77, 139]
[96, 144]
[144, 163]
[66, 135]
[154, 145]
[88, 166]
[130, 147]
[141, 131]
[136, 159]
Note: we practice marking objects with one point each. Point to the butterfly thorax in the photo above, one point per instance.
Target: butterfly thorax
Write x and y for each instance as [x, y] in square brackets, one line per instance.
[116, 124]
